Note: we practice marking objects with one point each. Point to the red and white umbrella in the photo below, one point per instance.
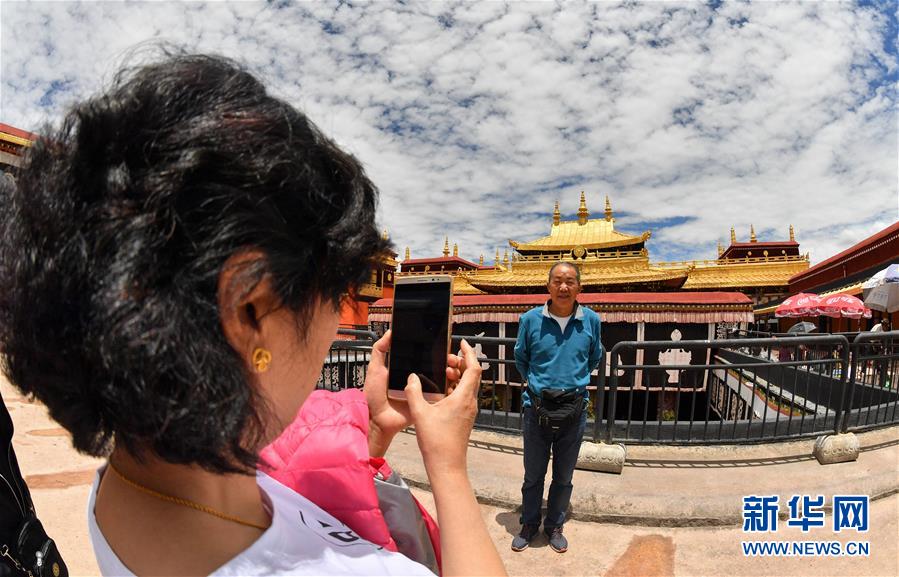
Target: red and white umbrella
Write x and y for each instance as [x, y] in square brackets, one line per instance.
[841, 305]
[798, 305]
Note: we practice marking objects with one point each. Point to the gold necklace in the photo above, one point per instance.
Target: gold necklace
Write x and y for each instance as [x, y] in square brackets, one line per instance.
[184, 502]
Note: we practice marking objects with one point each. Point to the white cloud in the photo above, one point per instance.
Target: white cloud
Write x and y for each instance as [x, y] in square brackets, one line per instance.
[473, 118]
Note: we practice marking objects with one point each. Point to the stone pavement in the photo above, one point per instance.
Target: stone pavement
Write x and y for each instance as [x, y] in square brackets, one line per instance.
[677, 510]
[673, 511]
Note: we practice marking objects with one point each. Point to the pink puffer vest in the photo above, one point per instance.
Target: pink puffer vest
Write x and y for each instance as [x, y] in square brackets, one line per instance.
[323, 455]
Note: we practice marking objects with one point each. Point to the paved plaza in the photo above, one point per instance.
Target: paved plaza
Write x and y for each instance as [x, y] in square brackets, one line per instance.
[653, 503]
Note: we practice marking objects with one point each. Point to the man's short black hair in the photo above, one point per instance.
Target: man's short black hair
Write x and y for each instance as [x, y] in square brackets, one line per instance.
[112, 243]
[577, 271]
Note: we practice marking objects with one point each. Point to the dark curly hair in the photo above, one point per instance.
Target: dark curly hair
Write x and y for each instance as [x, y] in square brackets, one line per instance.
[112, 242]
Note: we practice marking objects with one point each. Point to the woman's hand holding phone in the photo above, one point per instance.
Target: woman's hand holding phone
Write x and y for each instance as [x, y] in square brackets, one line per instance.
[387, 417]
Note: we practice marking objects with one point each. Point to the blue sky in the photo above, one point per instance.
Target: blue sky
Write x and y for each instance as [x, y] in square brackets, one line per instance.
[474, 118]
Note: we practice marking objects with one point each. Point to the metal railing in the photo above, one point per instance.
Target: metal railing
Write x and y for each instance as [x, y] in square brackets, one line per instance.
[736, 390]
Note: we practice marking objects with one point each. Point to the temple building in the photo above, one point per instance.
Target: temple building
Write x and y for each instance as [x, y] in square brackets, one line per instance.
[610, 261]
[613, 261]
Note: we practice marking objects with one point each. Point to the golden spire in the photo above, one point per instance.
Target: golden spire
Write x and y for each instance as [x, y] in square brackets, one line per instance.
[752, 234]
[506, 256]
[455, 249]
[445, 246]
[407, 253]
[720, 249]
[582, 212]
[385, 235]
[497, 257]
[792, 236]
[733, 236]
[608, 209]
[557, 216]
[481, 262]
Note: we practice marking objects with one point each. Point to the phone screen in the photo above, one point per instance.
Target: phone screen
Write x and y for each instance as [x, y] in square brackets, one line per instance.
[420, 333]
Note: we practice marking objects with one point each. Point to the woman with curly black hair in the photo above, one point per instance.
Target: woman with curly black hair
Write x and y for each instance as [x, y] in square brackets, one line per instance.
[172, 261]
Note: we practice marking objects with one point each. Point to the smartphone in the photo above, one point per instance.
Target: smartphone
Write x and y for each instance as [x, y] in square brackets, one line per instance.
[420, 334]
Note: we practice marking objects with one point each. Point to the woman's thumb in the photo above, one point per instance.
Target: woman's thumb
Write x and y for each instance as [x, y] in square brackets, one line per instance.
[413, 394]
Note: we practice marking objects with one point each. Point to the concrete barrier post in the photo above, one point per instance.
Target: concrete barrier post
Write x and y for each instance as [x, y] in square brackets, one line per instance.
[841, 448]
[602, 457]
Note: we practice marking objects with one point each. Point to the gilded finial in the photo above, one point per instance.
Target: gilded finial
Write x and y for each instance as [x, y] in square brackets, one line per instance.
[733, 236]
[720, 249]
[446, 246]
[557, 216]
[385, 235]
[792, 236]
[455, 249]
[407, 254]
[481, 262]
[752, 234]
[497, 257]
[506, 256]
[582, 212]
[608, 209]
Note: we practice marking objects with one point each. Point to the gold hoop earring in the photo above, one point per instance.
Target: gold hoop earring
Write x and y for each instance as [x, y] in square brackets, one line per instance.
[261, 359]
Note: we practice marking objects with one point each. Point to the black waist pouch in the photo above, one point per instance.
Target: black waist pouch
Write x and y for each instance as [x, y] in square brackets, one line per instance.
[25, 548]
[557, 409]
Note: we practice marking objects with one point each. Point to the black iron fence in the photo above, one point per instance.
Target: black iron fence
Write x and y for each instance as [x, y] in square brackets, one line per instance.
[735, 390]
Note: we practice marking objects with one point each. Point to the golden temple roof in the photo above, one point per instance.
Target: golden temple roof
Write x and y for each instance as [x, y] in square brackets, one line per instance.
[461, 286]
[588, 233]
[605, 272]
[598, 233]
[744, 272]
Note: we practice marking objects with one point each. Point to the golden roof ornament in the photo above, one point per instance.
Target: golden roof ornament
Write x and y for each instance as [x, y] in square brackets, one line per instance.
[792, 236]
[752, 234]
[506, 256]
[455, 249]
[720, 249]
[582, 212]
[557, 216]
[407, 254]
[497, 257]
[446, 246]
[481, 262]
[385, 235]
[608, 209]
[733, 236]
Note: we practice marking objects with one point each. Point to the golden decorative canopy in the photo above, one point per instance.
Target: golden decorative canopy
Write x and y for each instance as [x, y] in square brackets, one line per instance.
[590, 234]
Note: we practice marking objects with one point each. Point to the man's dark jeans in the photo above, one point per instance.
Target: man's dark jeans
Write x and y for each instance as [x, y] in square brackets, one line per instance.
[565, 444]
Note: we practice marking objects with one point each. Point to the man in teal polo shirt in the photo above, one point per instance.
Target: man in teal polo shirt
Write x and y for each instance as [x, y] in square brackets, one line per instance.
[558, 347]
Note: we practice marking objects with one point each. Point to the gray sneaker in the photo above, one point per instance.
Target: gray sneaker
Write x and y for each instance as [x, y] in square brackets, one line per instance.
[557, 540]
[523, 539]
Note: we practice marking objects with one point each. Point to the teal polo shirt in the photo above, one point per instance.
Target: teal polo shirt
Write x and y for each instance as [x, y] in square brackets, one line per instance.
[549, 357]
